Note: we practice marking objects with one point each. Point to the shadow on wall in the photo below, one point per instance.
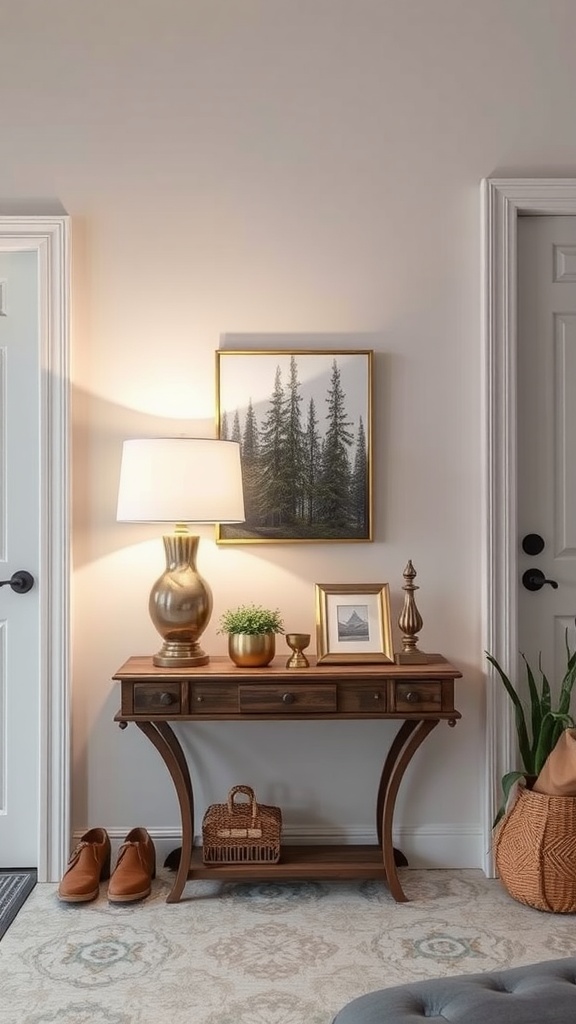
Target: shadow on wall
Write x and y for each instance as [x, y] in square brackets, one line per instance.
[100, 426]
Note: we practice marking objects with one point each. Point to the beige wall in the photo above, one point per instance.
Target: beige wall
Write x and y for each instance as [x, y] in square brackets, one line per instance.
[306, 168]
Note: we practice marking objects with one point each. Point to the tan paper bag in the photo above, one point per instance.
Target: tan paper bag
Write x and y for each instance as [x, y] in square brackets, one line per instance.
[558, 776]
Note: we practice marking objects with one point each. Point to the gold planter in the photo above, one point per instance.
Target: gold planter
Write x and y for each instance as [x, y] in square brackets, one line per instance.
[251, 650]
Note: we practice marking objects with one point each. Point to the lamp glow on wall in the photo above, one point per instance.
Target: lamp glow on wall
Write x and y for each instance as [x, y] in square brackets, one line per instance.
[180, 480]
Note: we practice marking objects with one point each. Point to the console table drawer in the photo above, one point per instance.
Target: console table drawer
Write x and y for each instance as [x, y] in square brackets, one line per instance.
[367, 698]
[153, 699]
[213, 699]
[287, 699]
[417, 697]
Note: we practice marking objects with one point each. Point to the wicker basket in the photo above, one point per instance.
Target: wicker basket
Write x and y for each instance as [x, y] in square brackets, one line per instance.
[241, 832]
[535, 848]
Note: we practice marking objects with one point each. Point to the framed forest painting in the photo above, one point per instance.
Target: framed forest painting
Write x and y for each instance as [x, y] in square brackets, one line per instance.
[304, 422]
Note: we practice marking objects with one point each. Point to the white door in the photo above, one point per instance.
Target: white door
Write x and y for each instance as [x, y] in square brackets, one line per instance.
[34, 536]
[505, 203]
[547, 440]
[19, 550]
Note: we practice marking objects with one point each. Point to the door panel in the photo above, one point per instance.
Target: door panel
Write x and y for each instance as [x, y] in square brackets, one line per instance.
[565, 433]
[547, 435]
[19, 549]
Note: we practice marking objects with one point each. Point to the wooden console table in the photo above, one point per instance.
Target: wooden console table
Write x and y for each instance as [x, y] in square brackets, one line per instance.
[420, 696]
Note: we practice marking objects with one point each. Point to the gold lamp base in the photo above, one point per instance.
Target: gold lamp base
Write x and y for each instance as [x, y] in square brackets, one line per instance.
[180, 604]
[180, 655]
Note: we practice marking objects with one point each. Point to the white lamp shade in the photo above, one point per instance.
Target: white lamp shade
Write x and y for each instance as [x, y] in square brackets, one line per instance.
[180, 480]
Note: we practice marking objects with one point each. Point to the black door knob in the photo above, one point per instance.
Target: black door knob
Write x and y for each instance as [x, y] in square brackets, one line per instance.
[533, 544]
[20, 582]
[534, 579]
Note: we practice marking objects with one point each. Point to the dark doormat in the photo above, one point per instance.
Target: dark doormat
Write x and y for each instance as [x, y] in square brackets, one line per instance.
[16, 884]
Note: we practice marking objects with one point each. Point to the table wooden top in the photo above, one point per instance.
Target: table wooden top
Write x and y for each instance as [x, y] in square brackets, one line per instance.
[142, 667]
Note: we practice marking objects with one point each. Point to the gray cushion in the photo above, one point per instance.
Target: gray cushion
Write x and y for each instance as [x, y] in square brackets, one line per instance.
[542, 993]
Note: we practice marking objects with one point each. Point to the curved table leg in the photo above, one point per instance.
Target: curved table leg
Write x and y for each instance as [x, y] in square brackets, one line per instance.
[163, 738]
[403, 734]
[409, 737]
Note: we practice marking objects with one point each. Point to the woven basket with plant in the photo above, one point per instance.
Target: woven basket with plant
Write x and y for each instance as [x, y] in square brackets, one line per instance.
[539, 729]
[535, 851]
[535, 838]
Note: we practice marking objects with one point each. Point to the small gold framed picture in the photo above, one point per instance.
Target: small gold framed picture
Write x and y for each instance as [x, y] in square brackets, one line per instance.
[353, 624]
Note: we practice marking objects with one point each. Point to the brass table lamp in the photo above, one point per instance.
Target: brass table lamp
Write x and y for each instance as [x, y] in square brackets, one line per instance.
[180, 480]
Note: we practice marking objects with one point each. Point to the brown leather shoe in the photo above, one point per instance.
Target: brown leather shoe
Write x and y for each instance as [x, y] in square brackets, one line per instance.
[135, 868]
[89, 863]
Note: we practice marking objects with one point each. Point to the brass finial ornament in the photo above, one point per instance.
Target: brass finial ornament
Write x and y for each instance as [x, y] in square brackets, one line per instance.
[410, 622]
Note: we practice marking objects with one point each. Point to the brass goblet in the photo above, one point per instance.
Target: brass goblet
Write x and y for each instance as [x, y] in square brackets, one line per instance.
[297, 642]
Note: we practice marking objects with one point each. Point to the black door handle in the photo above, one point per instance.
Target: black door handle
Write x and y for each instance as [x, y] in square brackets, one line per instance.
[20, 581]
[534, 579]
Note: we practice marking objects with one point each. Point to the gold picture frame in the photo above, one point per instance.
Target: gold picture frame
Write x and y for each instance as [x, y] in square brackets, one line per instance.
[353, 624]
[303, 418]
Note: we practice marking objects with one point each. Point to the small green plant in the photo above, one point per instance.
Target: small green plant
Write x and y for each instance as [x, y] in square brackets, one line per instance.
[538, 727]
[251, 619]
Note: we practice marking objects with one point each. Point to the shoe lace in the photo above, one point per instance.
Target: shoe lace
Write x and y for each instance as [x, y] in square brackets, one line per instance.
[77, 851]
[124, 849]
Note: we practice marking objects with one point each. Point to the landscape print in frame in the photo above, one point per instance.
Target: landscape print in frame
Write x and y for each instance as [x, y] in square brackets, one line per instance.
[353, 623]
[304, 422]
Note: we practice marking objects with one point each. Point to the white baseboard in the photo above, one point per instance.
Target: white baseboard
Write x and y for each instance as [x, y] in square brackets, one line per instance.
[424, 846]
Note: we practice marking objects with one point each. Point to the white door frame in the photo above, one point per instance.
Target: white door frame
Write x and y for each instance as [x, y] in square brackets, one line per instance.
[49, 238]
[503, 201]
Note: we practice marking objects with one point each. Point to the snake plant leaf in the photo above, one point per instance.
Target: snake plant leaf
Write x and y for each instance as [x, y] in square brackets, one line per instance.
[546, 698]
[544, 744]
[521, 728]
[552, 725]
[537, 714]
[562, 722]
[567, 684]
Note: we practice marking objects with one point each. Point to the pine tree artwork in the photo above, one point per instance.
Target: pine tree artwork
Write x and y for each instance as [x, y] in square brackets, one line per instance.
[303, 420]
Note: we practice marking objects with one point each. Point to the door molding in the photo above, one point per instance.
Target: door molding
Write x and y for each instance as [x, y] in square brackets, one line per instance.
[48, 236]
[503, 201]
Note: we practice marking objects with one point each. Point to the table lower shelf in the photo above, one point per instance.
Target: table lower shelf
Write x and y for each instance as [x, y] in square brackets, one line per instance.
[336, 863]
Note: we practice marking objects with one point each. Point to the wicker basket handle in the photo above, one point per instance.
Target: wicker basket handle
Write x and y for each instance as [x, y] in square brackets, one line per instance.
[249, 792]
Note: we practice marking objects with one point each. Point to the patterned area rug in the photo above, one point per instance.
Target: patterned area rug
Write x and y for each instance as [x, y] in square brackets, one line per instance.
[271, 953]
[15, 888]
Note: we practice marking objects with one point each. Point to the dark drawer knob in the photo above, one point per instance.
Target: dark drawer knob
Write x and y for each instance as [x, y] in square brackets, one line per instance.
[412, 697]
[288, 698]
[167, 698]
